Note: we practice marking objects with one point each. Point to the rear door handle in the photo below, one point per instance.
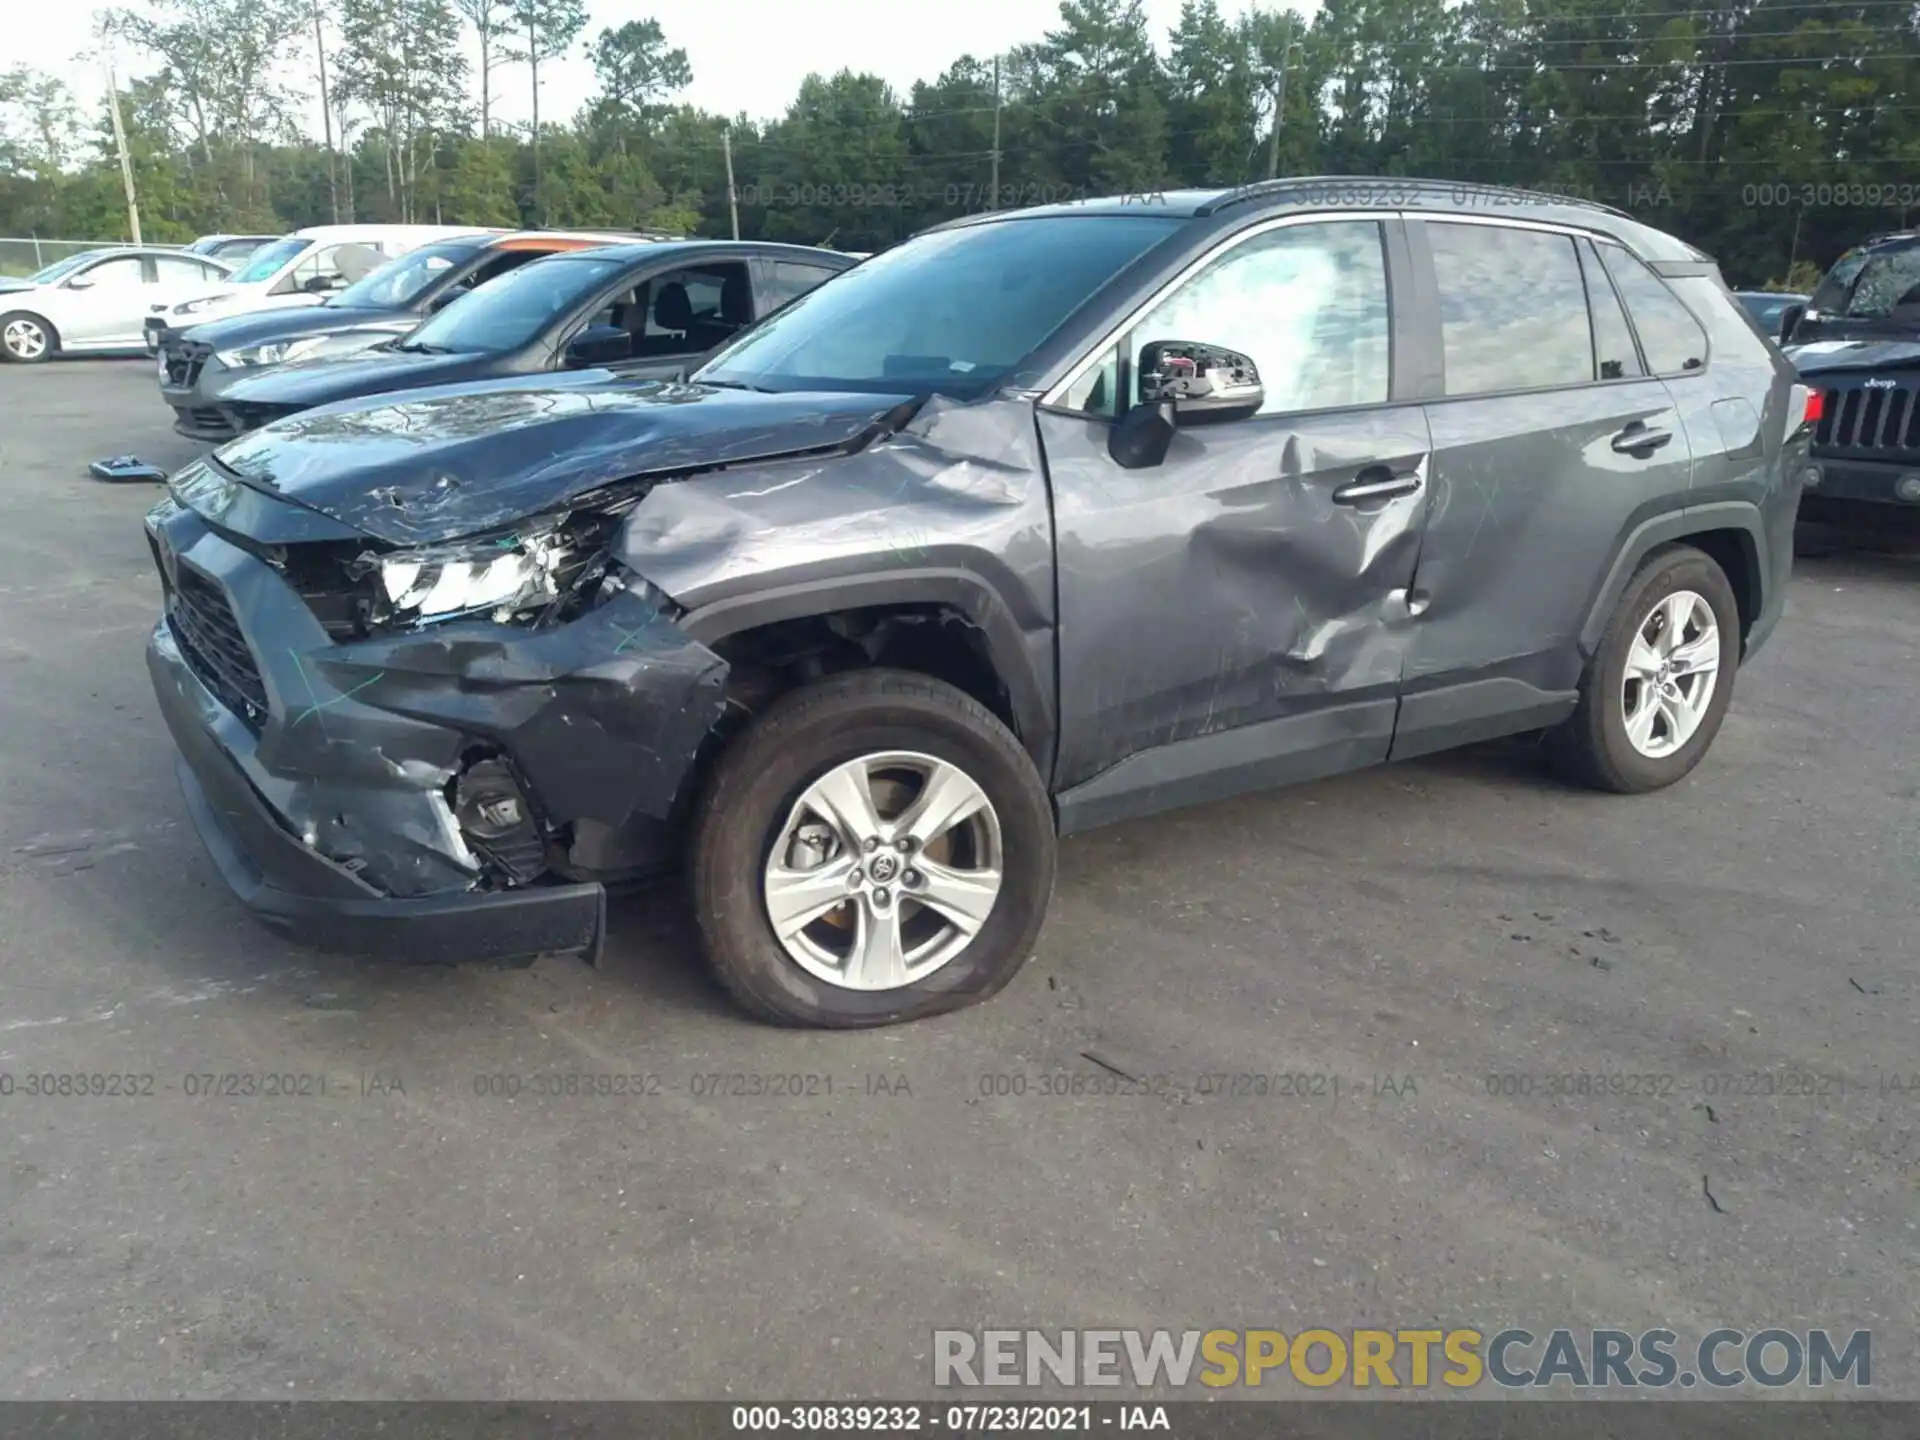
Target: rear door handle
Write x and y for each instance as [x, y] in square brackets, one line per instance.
[1377, 482]
[1640, 439]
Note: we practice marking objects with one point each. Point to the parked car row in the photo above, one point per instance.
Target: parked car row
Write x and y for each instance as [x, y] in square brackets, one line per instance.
[527, 304]
[849, 588]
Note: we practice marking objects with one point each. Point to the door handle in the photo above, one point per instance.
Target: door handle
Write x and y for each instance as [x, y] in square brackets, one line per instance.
[1377, 483]
[1640, 440]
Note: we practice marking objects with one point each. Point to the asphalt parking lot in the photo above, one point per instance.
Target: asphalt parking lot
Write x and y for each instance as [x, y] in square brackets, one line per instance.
[1417, 936]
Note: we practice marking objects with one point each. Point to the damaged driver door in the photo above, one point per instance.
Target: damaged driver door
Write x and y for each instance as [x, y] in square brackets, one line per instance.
[1233, 613]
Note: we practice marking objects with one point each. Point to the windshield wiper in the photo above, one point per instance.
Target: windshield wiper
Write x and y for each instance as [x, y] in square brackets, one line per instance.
[418, 349]
[736, 385]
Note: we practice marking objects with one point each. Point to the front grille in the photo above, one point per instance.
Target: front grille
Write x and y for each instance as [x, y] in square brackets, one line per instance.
[1870, 421]
[247, 415]
[185, 361]
[209, 636]
[210, 421]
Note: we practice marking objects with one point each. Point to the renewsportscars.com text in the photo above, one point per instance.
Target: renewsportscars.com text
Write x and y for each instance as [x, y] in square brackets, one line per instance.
[1459, 1358]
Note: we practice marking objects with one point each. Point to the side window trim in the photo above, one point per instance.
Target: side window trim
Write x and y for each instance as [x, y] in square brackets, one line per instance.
[1395, 267]
[1593, 268]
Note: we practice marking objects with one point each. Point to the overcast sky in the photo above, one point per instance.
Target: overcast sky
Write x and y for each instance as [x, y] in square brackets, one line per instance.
[747, 55]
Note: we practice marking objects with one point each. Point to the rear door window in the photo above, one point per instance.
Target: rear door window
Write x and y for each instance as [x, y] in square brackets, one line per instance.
[182, 270]
[1513, 309]
[1670, 337]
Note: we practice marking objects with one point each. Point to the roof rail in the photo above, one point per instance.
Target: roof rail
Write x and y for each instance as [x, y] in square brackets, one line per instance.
[1265, 189]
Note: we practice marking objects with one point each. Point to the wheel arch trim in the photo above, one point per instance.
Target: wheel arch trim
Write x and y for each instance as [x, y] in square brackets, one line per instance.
[1021, 657]
[1669, 527]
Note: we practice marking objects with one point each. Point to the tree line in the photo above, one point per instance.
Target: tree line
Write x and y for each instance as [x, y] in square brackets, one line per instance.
[1772, 134]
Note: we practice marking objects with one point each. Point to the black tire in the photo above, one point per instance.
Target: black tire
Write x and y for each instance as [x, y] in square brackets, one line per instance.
[760, 776]
[51, 349]
[1591, 746]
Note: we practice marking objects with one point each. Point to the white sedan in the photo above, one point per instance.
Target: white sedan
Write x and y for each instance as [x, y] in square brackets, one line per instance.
[96, 301]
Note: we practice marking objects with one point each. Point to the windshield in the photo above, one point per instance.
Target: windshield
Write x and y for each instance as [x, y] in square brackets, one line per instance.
[507, 313]
[397, 284]
[63, 267]
[269, 260]
[951, 313]
[1871, 284]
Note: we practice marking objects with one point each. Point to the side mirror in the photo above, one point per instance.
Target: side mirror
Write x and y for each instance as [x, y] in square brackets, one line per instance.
[320, 284]
[80, 282]
[1205, 384]
[599, 345]
[1789, 318]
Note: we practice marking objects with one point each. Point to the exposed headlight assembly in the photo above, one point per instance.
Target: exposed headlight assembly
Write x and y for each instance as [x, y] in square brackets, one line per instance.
[503, 576]
[521, 576]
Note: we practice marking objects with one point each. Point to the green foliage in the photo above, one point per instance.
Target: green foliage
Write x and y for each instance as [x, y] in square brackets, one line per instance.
[1772, 133]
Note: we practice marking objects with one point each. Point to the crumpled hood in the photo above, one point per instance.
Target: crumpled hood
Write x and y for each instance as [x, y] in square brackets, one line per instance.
[447, 463]
[262, 327]
[1819, 356]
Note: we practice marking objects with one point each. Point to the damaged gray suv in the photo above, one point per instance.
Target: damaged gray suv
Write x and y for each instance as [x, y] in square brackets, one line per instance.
[1036, 522]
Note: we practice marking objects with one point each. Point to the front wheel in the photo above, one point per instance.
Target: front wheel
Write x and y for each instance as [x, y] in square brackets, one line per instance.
[876, 848]
[26, 339]
[1660, 682]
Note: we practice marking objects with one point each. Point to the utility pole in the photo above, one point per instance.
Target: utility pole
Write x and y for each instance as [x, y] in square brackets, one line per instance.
[993, 189]
[733, 195]
[1279, 103]
[326, 113]
[120, 145]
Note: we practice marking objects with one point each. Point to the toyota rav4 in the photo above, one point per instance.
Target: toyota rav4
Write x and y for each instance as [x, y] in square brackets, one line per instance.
[1036, 522]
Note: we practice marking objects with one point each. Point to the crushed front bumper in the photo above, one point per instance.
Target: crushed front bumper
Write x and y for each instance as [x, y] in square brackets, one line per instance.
[322, 776]
[293, 889]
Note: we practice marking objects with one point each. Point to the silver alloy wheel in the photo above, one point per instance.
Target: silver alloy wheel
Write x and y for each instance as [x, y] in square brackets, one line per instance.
[884, 871]
[1672, 668]
[25, 339]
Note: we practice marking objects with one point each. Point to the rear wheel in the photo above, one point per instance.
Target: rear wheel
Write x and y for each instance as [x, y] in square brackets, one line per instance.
[26, 339]
[877, 847]
[1659, 684]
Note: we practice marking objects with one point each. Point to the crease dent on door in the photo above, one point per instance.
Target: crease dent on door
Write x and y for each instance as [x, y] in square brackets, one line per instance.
[1225, 624]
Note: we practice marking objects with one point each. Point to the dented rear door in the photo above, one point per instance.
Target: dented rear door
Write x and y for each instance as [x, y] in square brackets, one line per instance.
[1236, 616]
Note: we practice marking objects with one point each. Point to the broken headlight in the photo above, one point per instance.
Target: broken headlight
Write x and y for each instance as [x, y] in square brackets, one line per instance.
[542, 571]
[502, 576]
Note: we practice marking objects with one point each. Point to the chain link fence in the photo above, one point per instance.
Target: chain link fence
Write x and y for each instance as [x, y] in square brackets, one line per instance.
[24, 256]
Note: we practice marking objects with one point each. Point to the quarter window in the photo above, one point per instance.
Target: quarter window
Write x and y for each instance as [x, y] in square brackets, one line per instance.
[1672, 339]
[1513, 309]
[788, 281]
[1308, 305]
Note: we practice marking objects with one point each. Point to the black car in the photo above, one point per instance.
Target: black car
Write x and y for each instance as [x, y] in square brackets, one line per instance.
[1038, 521]
[643, 310]
[198, 364]
[1858, 344]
